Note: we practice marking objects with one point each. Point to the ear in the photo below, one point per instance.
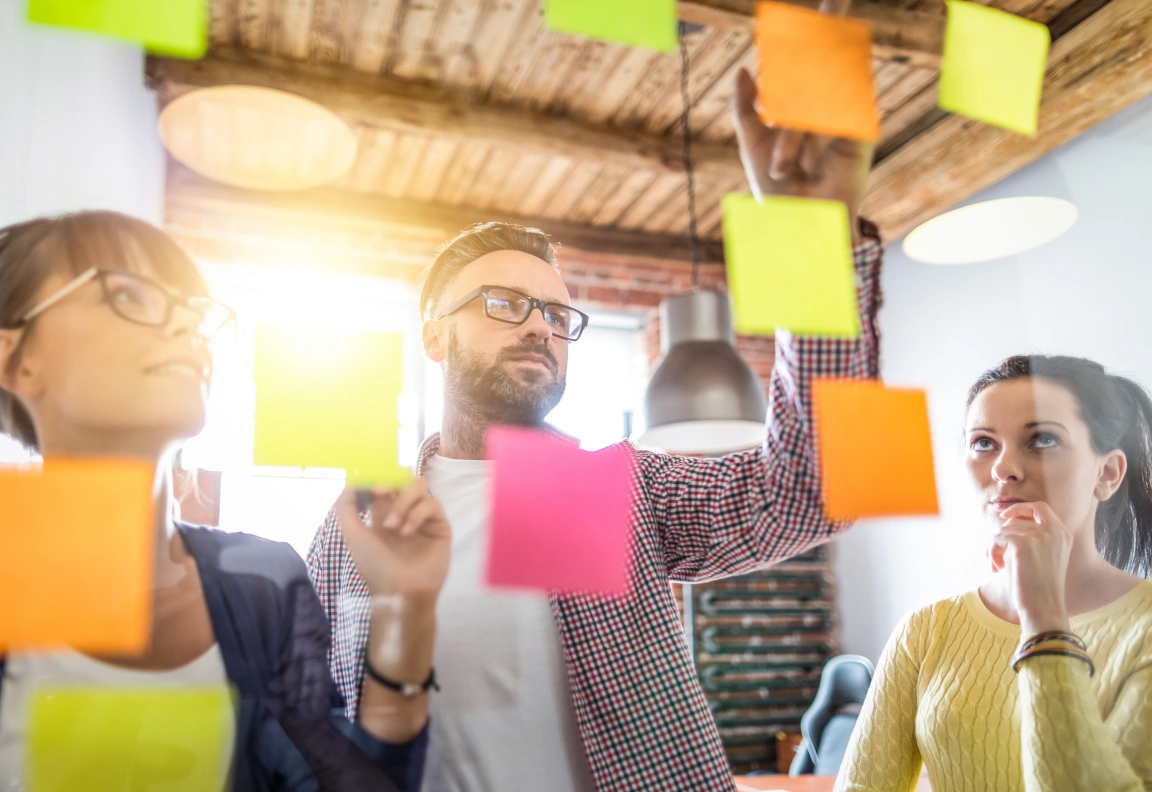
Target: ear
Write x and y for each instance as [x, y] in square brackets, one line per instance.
[9, 341]
[1111, 474]
[435, 337]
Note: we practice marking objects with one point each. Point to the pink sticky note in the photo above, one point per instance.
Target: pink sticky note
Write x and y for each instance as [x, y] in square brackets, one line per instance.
[561, 517]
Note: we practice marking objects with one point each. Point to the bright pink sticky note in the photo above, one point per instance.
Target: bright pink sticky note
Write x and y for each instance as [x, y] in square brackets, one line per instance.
[560, 517]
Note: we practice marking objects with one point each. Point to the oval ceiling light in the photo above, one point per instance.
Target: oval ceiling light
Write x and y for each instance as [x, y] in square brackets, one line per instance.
[990, 230]
[258, 138]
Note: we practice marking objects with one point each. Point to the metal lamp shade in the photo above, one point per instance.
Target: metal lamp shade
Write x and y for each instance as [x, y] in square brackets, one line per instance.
[702, 398]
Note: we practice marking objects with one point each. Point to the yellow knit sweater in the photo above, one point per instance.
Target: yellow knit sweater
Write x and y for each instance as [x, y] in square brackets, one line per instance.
[944, 694]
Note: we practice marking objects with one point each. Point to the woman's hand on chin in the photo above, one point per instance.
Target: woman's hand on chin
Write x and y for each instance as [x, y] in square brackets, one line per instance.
[1033, 546]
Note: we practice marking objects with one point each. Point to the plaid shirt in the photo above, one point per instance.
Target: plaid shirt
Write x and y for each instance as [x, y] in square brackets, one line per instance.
[642, 716]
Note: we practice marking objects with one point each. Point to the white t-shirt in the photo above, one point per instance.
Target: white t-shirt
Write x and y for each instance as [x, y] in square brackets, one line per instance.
[503, 720]
[24, 672]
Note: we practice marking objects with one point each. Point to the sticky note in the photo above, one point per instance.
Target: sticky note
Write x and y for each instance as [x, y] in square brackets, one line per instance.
[560, 516]
[816, 72]
[165, 27]
[790, 265]
[638, 23]
[875, 449]
[110, 739]
[77, 544]
[330, 400]
[993, 66]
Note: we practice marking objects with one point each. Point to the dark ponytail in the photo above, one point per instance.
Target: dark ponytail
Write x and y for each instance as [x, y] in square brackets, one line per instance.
[1118, 413]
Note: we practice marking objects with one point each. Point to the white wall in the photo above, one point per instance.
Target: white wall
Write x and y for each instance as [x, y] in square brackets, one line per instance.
[1088, 293]
[77, 126]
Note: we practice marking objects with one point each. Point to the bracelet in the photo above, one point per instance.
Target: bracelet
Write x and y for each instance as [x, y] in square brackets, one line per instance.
[407, 689]
[1020, 657]
[1054, 635]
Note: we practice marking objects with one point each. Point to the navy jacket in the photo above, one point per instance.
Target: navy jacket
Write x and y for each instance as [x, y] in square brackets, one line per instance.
[291, 735]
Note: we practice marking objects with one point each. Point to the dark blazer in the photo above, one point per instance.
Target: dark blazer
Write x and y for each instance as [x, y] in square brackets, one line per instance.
[291, 734]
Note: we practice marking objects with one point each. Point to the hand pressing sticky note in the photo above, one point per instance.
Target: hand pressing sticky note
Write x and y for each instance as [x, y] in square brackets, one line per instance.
[993, 66]
[790, 265]
[330, 400]
[165, 27]
[560, 517]
[77, 544]
[638, 23]
[109, 739]
[816, 72]
[875, 450]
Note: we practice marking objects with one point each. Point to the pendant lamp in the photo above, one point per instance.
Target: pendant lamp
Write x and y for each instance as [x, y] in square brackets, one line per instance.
[702, 398]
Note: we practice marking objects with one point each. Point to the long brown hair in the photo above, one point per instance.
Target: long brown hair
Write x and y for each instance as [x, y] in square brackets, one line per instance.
[1118, 413]
[33, 251]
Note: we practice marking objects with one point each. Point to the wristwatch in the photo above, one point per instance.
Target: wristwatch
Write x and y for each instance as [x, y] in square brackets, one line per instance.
[405, 689]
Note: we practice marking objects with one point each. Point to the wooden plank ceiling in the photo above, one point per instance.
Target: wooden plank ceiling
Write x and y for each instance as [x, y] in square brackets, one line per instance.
[474, 107]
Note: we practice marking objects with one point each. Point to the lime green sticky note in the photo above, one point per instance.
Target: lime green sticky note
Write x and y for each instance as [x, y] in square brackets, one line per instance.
[166, 27]
[638, 23]
[330, 399]
[111, 739]
[993, 66]
[790, 265]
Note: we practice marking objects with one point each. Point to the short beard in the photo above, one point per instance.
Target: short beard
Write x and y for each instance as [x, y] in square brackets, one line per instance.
[484, 393]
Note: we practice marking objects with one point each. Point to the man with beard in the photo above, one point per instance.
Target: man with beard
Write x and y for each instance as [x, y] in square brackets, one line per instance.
[577, 693]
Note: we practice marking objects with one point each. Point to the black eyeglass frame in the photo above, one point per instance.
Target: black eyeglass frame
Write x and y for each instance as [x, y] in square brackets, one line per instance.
[533, 304]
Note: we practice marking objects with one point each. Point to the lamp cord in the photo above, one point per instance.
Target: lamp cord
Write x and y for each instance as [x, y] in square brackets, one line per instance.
[693, 238]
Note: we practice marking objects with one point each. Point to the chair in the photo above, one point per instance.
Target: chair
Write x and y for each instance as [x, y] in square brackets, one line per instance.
[828, 723]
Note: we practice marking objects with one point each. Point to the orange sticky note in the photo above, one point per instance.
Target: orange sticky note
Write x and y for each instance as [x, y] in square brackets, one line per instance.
[875, 449]
[77, 543]
[816, 72]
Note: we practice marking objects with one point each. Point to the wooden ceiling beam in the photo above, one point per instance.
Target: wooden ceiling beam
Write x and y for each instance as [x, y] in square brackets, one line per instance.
[898, 35]
[306, 210]
[409, 108]
[1096, 69]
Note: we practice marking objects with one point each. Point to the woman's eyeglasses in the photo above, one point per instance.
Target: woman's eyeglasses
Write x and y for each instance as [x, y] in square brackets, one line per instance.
[514, 307]
[143, 301]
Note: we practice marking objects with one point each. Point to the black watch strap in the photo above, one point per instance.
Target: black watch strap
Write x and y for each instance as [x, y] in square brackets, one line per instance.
[407, 690]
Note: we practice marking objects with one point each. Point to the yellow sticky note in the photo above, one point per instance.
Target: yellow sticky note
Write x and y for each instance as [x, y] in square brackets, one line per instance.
[638, 23]
[110, 740]
[993, 66]
[166, 27]
[330, 400]
[875, 449]
[77, 545]
[790, 265]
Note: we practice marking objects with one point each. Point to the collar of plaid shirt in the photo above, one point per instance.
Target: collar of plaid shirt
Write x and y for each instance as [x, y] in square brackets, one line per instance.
[642, 715]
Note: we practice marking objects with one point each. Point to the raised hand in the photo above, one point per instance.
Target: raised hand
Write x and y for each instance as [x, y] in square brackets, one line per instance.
[1034, 546]
[405, 546]
[789, 162]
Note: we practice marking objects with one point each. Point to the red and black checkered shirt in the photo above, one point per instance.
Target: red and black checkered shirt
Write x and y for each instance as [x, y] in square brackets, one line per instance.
[642, 715]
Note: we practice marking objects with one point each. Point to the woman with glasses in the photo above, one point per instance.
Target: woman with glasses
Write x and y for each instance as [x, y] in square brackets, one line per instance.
[1041, 679]
[103, 330]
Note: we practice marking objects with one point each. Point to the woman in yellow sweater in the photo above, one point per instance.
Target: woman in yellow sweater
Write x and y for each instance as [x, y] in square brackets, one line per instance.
[1042, 678]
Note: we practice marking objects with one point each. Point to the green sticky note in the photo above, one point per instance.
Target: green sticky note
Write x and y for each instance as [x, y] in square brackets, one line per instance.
[638, 23]
[110, 740]
[993, 66]
[790, 265]
[166, 27]
[330, 400]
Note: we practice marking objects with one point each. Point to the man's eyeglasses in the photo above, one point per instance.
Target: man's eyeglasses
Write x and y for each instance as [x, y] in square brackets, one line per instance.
[514, 307]
[143, 301]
